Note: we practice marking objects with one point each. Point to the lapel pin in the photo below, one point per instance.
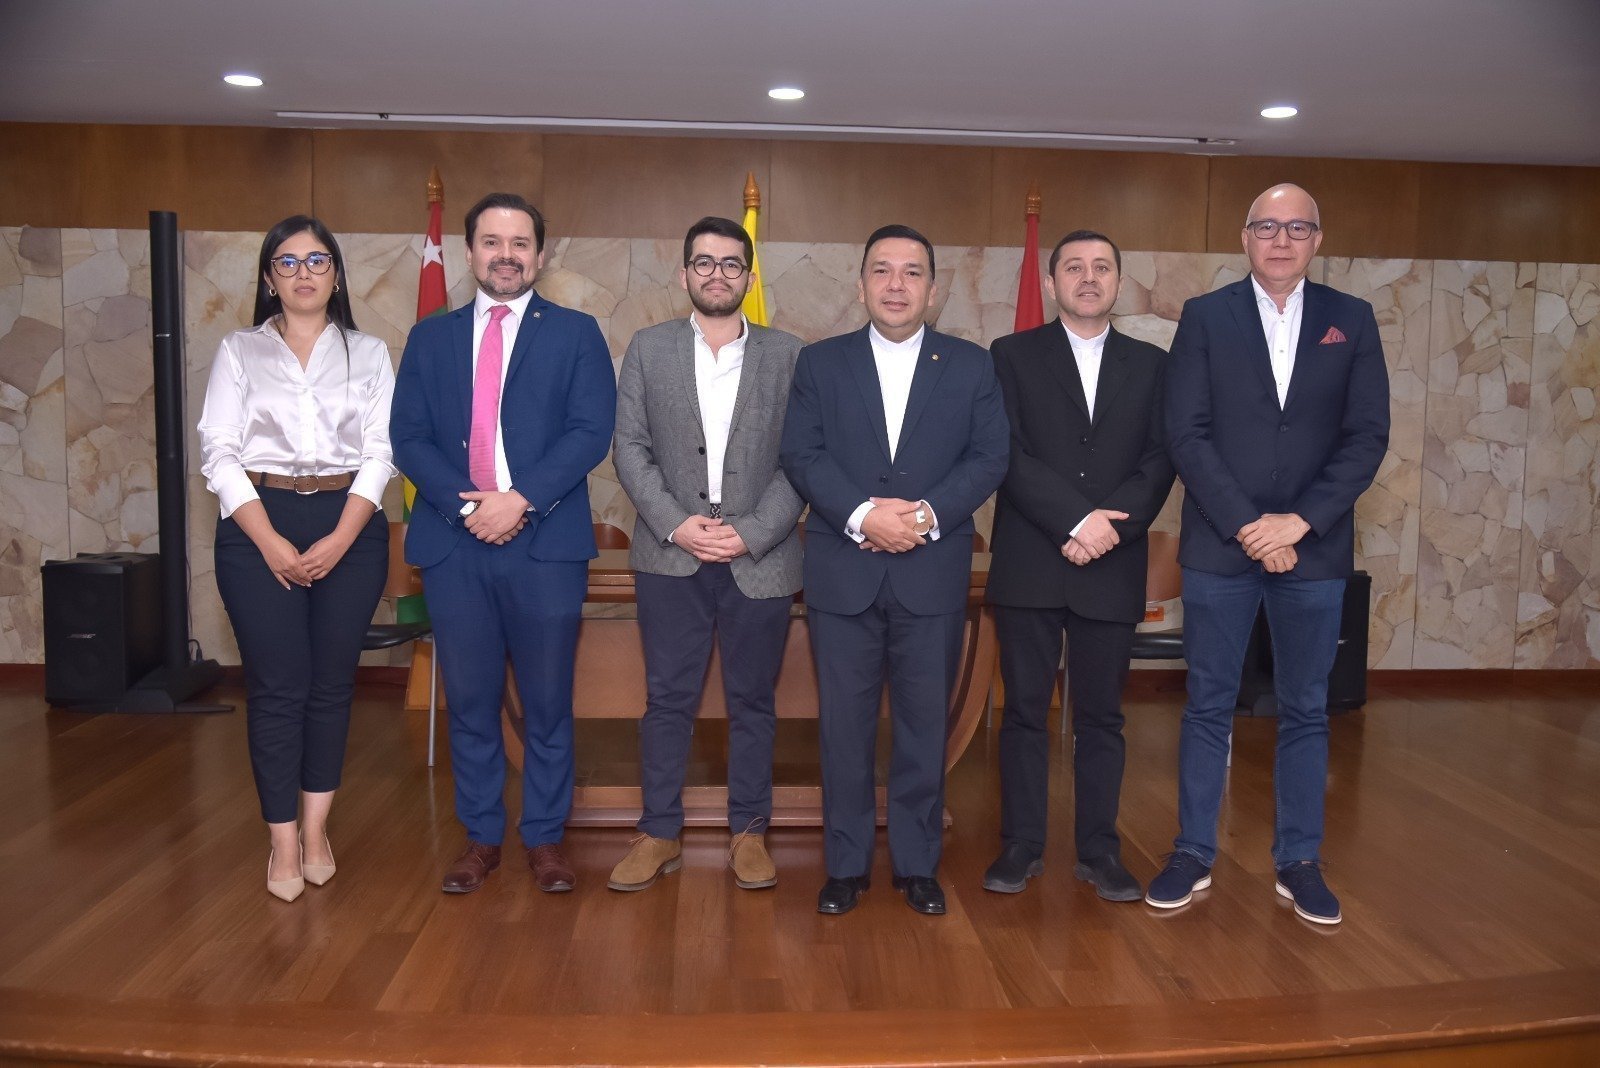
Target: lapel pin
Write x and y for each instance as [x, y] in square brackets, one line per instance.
[936, 355]
[536, 315]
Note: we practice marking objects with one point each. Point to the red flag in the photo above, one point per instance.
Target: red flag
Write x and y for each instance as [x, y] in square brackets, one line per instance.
[1030, 307]
[431, 295]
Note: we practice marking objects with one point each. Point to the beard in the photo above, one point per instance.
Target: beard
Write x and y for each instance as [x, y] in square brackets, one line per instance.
[716, 304]
[502, 288]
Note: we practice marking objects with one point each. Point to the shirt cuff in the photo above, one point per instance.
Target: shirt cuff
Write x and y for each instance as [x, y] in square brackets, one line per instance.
[852, 526]
[1073, 533]
[933, 532]
[233, 489]
[371, 481]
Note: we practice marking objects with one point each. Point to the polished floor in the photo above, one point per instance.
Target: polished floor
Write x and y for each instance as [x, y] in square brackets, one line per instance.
[1463, 839]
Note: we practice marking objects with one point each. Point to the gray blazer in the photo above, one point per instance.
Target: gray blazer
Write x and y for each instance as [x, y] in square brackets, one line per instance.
[659, 454]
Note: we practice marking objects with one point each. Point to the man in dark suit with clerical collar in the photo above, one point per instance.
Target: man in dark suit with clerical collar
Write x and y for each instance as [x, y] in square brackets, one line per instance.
[895, 435]
[1089, 472]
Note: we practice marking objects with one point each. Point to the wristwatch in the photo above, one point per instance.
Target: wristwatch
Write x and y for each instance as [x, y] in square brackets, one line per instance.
[924, 519]
[468, 508]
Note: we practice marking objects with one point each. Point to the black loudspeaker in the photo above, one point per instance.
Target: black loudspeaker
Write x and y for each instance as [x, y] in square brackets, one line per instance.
[102, 625]
[1347, 682]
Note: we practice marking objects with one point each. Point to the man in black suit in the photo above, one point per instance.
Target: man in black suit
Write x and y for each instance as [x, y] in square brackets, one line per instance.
[1089, 473]
[895, 434]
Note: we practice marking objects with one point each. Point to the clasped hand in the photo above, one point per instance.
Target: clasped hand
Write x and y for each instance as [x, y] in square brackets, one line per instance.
[302, 569]
[890, 525]
[1270, 533]
[499, 517]
[1095, 537]
[711, 541]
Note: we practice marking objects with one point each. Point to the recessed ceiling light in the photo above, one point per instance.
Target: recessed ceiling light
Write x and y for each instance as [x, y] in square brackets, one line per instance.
[1280, 111]
[249, 81]
[786, 92]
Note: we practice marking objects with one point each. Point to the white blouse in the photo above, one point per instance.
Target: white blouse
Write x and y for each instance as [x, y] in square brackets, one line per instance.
[263, 412]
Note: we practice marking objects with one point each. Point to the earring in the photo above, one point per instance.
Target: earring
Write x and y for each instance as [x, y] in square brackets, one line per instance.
[336, 287]
[271, 292]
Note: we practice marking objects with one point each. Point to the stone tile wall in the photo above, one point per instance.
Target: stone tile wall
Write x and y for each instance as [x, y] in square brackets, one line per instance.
[1480, 531]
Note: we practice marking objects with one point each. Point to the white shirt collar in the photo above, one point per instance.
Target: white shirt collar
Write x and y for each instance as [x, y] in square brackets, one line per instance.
[1096, 342]
[482, 302]
[1294, 298]
[912, 344]
[744, 328]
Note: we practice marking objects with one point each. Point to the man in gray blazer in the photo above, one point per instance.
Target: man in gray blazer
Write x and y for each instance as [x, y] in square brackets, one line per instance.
[716, 549]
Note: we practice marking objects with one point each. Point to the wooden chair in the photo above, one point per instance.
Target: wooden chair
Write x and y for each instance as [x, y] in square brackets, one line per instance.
[607, 536]
[404, 581]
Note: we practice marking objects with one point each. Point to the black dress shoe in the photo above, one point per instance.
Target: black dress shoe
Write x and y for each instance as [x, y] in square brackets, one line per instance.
[839, 896]
[923, 893]
[1111, 880]
[1012, 869]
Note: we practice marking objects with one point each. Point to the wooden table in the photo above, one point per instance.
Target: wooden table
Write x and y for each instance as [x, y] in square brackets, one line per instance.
[610, 685]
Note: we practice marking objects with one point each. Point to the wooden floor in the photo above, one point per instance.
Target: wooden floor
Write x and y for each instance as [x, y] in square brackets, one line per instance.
[1463, 839]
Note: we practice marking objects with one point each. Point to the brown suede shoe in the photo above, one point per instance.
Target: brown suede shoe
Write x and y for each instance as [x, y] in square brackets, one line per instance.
[649, 859]
[752, 865]
[471, 868]
[550, 869]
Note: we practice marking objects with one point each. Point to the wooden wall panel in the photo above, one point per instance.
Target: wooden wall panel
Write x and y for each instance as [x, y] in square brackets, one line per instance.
[1140, 200]
[39, 174]
[842, 191]
[214, 177]
[1369, 206]
[375, 181]
[1484, 212]
[649, 186]
[246, 178]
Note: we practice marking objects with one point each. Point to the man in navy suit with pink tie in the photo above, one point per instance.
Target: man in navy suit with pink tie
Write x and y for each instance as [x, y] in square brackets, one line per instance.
[501, 409]
[1277, 415]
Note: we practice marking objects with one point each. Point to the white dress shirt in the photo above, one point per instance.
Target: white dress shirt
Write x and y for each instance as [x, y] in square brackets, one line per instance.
[896, 362]
[481, 304]
[1087, 354]
[263, 412]
[716, 380]
[1283, 332]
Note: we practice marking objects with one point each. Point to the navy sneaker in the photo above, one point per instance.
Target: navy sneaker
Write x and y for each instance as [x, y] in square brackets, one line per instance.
[1175, 886]
[1302, 883]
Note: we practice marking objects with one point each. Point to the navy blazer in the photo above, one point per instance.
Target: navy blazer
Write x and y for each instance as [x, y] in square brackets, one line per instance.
[556, 414]
[1241, 456]
[835, 451]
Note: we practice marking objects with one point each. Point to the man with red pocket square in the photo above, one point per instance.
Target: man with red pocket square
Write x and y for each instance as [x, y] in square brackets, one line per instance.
[1277, 415]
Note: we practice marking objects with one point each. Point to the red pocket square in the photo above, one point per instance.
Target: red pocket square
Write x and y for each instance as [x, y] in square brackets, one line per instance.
[1333, 336]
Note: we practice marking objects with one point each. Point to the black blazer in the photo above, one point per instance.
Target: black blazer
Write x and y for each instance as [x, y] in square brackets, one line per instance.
[1240, 455]
[835, 451]
[1063, 466]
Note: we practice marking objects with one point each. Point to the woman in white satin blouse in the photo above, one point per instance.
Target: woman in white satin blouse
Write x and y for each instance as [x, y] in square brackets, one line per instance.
[294, 441]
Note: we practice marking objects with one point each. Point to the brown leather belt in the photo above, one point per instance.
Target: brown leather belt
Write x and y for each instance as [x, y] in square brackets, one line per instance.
[302, 483]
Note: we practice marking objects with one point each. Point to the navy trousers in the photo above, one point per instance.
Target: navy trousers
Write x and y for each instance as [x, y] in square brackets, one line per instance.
[299, 646]
[677, 618]
[488, 602]
[920, 657]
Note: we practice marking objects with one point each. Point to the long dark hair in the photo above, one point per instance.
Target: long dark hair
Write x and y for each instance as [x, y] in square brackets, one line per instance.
[267, 302]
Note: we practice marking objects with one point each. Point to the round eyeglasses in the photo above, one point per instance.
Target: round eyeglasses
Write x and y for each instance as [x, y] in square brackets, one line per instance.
[289, 266]
[705, 265]
[1267, 229]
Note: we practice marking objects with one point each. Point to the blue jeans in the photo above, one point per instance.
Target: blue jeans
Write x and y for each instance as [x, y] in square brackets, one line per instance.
[1218, 614]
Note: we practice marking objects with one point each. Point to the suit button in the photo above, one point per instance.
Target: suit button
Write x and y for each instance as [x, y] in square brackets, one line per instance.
[1083, 474]
[1084, 440]
[1274, 476]
[703, 496]
[883, 478]
[702, 450]
[1282, 427]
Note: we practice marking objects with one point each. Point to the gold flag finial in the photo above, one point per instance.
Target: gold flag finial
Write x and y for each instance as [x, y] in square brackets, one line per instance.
[1034, 201]
[752, 192]
[435, 187]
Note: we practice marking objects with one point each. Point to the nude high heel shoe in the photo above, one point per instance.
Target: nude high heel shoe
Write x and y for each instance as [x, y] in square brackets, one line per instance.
[284, 889]
[318, 874]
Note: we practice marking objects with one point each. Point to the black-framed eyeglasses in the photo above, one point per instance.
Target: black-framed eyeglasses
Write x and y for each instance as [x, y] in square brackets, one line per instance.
[289, 266]
[730, 267]
[1267, 229]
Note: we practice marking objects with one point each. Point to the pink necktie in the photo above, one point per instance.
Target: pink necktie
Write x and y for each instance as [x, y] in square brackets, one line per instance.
[486, 402]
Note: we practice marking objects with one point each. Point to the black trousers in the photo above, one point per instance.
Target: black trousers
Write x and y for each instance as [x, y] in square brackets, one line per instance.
[299, 646]
[1097, 667]
[920, 657]
[677, 618]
